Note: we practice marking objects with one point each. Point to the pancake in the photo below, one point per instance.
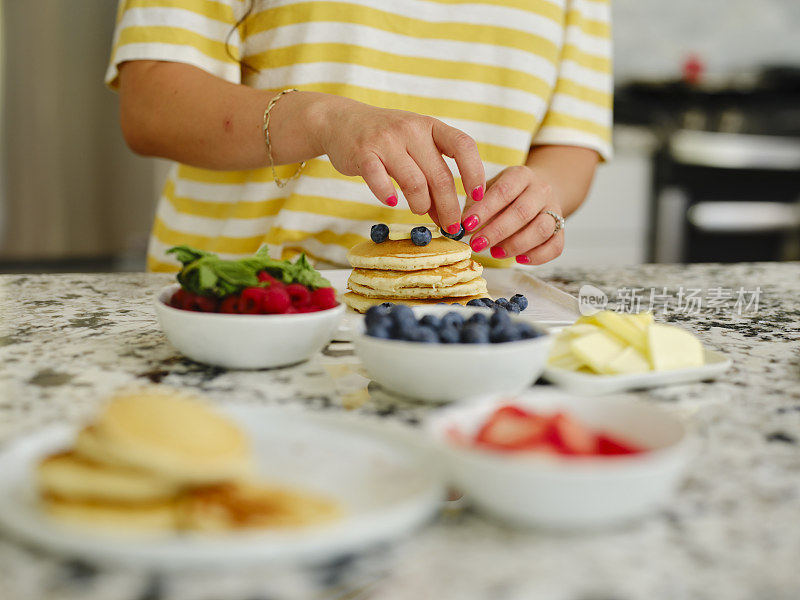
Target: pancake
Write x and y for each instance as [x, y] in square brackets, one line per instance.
[72, 477]
[134, 518]
[460, 272]
[403, 255]
[361, 303]
[468, 288]
[173, 436]
[235, 506]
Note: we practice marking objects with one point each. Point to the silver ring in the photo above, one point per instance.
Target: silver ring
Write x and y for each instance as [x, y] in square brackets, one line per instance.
[561, 223]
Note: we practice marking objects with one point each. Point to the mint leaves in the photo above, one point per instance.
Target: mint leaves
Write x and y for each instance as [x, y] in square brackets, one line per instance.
[206, 274]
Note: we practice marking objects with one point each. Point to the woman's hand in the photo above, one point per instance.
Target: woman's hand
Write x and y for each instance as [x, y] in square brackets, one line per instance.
[511, 220]
[379, 144]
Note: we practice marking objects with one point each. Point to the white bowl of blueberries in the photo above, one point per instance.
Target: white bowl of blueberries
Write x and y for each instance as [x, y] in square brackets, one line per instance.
[444, 353]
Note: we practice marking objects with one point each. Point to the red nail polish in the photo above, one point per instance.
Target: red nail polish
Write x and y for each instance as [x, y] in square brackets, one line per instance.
[471, 222]
[523, 259]
[479, 243]
[498, 252]
[392, 200]
[477, 193]
[454, 228]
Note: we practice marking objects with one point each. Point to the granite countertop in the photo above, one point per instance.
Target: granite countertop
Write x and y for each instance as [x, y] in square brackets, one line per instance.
[732, 531]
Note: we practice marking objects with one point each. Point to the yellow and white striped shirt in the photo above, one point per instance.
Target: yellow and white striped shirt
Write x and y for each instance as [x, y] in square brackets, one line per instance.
[511, 73]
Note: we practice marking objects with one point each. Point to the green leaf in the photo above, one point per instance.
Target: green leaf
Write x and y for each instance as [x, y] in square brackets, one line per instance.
[187, 254]
[207, 274]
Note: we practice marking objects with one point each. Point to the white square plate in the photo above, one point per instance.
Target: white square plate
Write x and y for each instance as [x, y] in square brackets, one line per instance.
[587, 383]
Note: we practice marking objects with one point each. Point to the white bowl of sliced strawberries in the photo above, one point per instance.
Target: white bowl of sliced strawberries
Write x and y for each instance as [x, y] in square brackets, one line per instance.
[253, 313]
[549, 459]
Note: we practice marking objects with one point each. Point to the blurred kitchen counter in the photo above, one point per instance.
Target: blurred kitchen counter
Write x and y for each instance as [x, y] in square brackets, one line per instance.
[68, 341]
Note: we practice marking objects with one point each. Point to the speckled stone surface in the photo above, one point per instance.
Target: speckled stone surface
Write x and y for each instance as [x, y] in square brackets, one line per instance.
[732, 531]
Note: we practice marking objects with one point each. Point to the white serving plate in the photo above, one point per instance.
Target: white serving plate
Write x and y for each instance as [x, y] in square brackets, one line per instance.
[547, 305]
[451, 372]
[586, 383]
[543, 490]
[386, 481]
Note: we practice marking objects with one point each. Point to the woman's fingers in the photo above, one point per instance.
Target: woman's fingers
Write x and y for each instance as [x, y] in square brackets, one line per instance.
[543, 253]
[411, 180]
[441, 186]
[458, 145]
[500, 194]
[537, 232]
[374, 173]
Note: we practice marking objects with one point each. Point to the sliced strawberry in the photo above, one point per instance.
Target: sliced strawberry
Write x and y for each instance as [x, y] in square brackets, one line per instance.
[299, 294]
[611, 446]
[324, 298]
[230, 304]
[510, 428]
[570, 437]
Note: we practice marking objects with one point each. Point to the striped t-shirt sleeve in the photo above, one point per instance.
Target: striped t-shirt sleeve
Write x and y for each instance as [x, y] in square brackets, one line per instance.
[193, 32]
[580, 110]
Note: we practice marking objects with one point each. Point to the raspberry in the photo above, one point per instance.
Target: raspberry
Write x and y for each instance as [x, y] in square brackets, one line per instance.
[263, 277]
[300, 294]
[230, 304]
[204, 304]
[181, 299]
[324, 298]
[276, 300]
[252, 300]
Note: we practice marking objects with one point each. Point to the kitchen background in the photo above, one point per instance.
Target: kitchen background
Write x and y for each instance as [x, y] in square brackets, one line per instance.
[707, 140]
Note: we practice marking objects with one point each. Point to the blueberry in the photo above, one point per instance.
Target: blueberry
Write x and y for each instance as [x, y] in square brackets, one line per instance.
[504, 333]
[406, 331]
[430, 321]
[380, 331]
[451, 319]
[478, 319]
[475, 334]
[487, 302]
[520, 301]
[476, 302]
[513, 307]
[386, 305]
[457, 236]
[426, 335]
[499, 318]
[421, 236]
[379, 233]
[376, 314]
[401, 312]
[449, 335]
[503, 303]
[527, 332]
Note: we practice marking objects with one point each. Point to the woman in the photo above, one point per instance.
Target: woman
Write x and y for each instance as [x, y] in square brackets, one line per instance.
[507, 102]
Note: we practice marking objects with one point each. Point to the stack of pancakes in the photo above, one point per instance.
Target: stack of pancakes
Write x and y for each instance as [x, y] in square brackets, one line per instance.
[398, 271]
[156, 461]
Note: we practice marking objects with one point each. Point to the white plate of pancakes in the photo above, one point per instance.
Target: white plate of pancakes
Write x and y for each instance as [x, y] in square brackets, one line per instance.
[347, 483]
[396, 270]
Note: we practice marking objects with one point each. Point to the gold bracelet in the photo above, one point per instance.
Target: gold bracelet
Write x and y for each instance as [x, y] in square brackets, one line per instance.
[280, 182]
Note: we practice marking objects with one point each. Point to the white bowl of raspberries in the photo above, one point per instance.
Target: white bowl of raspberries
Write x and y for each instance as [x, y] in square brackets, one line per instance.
[270, 324]
[447, 353]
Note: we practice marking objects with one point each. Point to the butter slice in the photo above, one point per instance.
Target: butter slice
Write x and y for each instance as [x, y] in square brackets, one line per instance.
[399, 231]
[596, 350]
